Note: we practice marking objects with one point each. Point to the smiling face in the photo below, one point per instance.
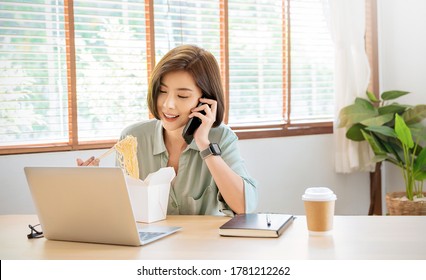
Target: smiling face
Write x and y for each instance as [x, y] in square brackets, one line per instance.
[202, 73]
[178, 94]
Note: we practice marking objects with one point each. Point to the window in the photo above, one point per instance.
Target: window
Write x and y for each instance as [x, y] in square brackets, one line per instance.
[33, 79]
[256, 56]
[111, 68]
[179, 22]
[75, 73]
[312, 63]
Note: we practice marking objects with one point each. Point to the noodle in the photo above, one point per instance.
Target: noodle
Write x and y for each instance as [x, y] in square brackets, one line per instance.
[126, 150]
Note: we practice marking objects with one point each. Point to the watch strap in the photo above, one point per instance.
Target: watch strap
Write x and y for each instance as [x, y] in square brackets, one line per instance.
[210, 151]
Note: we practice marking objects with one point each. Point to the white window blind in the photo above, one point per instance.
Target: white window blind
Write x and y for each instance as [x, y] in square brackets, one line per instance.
[255, 61]
[33, 84]
[180, 22]
[111, 64]
[312, 63]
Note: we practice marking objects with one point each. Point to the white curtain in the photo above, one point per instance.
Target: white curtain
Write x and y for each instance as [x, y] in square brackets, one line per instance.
[352, 72]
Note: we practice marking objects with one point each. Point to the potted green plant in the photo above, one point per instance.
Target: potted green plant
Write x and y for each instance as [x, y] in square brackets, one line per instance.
[397, 134]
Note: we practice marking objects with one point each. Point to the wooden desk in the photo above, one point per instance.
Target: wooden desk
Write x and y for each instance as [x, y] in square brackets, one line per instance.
[354, 237]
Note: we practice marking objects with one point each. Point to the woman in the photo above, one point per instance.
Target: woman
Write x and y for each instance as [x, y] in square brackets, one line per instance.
[210, 174]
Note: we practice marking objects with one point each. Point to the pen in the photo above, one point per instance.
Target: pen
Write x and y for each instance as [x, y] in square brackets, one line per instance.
[268, 220]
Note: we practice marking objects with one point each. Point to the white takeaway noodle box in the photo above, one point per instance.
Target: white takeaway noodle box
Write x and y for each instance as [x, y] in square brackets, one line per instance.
[150, 197]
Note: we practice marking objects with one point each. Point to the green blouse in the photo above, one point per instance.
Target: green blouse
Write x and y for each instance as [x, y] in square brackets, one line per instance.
[193, 190]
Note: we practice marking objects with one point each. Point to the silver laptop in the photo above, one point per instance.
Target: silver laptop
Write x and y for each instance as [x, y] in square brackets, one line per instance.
[88, 204]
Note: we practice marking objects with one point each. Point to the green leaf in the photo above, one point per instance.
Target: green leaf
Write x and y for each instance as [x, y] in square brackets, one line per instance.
[415, 115]
[392, 149]
[379, 158]
[372, 97]
[420, 162]
[385, 130]
[418, 131]
[364, 103]
[378, 121]
[403, 132]
[393, 94]
[396, 149]
[374, 144]
[392, 109]
[420, 166]
[362, 109]
[420, 175]
[354, 132]
[388, 141]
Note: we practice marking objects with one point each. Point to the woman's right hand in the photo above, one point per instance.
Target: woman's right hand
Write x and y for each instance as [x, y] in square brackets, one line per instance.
[92, 161]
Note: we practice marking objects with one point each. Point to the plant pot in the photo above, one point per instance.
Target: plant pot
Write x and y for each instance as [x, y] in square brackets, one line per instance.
[396, 206]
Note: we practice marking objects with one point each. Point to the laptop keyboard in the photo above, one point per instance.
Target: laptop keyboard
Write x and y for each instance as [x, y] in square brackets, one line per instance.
[148, 235]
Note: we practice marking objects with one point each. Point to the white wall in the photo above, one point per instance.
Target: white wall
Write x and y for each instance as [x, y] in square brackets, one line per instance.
[284, 167]
[402, 44]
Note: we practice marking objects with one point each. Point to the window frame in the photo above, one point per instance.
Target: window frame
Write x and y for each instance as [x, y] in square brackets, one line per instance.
[251, 131]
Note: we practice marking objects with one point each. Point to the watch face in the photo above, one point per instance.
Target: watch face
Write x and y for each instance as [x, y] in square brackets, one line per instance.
[215, 149]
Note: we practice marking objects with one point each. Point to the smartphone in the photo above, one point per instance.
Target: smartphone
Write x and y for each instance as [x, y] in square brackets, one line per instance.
[191, 126]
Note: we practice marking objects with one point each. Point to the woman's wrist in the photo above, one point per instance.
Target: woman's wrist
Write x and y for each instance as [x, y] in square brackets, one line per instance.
[203, 145]
[202, 142]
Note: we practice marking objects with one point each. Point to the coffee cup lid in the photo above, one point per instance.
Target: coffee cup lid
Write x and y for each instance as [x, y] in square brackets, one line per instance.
[318, 194]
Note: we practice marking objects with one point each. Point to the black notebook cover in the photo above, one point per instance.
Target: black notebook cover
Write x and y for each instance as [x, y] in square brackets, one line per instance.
[256, 225]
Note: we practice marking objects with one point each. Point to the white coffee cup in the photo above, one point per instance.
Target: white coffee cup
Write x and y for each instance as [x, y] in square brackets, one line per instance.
[319, 208]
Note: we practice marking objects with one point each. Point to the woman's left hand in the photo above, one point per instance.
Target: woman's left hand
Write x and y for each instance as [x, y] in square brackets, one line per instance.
[201, 135]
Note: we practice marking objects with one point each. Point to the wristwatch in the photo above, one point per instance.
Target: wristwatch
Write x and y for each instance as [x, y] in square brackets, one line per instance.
[212, 150]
